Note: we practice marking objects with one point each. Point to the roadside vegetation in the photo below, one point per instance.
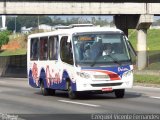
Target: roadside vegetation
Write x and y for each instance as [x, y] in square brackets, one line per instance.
[4, 37]
[16, 44]
[153, 47]
[153, 39]
[147, 79]
[13, 52]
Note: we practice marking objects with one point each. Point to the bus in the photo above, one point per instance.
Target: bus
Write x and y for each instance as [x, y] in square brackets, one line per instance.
[80, 59]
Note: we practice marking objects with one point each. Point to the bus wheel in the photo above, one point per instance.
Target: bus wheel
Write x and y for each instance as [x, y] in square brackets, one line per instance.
[51, 91]
[71, 93]
[119, 93]
[44, 91]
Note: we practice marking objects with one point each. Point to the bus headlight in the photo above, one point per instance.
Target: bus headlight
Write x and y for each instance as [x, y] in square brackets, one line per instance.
[128, 73]
[83, 75]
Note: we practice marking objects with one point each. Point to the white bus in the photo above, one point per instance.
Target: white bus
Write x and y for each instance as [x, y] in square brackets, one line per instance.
[79, 59]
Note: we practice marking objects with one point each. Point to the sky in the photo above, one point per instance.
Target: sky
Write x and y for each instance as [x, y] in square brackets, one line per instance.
[156, 17]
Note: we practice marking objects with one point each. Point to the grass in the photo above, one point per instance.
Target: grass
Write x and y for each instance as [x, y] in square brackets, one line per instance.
[154, 66]
[147, 79]
[13, 52]
[19, 39]
[153, 39]
[153, 47]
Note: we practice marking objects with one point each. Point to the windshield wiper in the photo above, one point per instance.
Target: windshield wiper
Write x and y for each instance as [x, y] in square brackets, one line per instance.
[114, 60]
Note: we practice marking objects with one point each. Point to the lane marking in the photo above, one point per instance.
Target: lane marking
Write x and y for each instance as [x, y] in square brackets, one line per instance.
[3, 82]
[155, 97]
[79, 103]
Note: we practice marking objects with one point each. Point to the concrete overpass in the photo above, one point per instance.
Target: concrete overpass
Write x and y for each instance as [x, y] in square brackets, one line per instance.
[128, 14]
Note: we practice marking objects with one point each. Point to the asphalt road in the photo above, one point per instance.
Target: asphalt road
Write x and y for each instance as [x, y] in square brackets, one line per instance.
[18, 98]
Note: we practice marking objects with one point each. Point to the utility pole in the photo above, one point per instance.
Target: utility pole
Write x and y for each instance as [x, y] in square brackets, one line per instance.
[15, 25]
[4, 22]
[38, 23]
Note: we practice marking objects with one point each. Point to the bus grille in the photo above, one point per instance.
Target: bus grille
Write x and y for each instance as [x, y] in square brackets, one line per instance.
[101, 76]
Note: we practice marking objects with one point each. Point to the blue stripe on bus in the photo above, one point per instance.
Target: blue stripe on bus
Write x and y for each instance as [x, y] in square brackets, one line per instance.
[119, 70]
[60, 86]
[31, 80]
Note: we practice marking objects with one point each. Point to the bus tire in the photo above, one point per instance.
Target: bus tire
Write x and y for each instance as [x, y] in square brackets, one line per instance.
[51, 91]
[71, 94]
[119, 93]
[44, 91]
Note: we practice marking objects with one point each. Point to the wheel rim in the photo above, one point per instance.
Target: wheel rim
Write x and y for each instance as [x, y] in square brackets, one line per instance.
[70, 90]
[42, 88]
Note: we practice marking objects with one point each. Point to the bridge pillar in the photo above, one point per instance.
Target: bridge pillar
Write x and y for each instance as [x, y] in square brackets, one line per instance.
[142, 26]
[141, 48]
[141, 23]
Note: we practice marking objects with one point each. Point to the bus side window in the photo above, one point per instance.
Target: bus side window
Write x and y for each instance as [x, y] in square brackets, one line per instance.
[53, 48]
[43, 48]
[34, 49]
[66, 50]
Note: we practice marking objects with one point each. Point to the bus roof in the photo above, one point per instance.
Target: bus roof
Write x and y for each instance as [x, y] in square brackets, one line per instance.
[70, 31]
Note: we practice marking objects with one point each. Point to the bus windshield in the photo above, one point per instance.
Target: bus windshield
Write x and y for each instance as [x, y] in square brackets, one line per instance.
[100, 49]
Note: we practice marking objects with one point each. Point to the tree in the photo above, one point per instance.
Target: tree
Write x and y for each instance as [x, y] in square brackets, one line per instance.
[45, 20]
[28, 21]
[4, 37]
[57, 20]
[73, 20]
[13, 24]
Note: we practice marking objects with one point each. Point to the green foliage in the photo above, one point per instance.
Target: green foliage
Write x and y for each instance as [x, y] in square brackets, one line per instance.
[154, 66]
[28, 21]
[57, 20]
[150, 79]
[4, 37]
[153, 39]
[132, 36]
[101, 22]
[13, 52]
[11, 25]
[33, 21]
[153, 47]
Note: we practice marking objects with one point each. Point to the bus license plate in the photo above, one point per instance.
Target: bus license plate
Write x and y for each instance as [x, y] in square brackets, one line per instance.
[107, 89]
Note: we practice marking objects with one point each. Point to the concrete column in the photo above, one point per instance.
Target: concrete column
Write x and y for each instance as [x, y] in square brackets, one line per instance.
[143, 24]
[3, 21]
[142, 48]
